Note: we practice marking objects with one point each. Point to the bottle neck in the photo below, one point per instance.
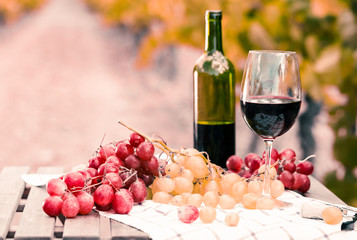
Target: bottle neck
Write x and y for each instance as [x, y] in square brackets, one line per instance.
[213, 41]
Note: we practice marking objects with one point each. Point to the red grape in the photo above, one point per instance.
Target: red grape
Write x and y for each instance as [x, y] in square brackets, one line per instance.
[254, 164]
[145, 151]
[287, 155]
[86, 202]
[297, 181]
[128, 178]
[110, 168]
[70, 207]
[290, 166]
[287, 179]
[274, 154]
[234, 163]
[103, 195]
[147, 178]
[114, 179]
[123, 201]
[52, 206]
[56, 187]
[94, 162]
[249, 157]
[138, 190]
[305, 167]
[105, 152]
[116, 161]
[74, 180]
[132, 161]
[151, 166]
[123, 150]
[305, 183]
[135, 139]
[188, 213]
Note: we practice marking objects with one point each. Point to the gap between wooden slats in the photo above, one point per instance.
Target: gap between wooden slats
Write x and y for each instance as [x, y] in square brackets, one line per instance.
[34, 223]
[11, 189]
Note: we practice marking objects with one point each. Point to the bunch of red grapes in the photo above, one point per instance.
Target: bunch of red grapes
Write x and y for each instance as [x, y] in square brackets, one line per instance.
[290, 171]
[116, 178]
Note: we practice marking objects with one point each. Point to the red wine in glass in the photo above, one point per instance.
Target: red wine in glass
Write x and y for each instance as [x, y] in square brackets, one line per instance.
[270, 117]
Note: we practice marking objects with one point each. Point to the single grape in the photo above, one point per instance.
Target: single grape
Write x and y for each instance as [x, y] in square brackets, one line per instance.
[161, 197]
[145, 151]
[188, 213]
[234, 163]
[287, 155]
[52, 206]
[248, 158]
[249, 200]
[107, 168]
[287, 179]
[166, 184]
[56, 187]
[187, 173]
[94, 162]
[132, 161]
[297, 181]
[138, 190]
[195, 199]
[255, 164]
[265, 203]
[276, 188]
[86, 202]
[113, 179]
[123, 150]
[105, 152]
[305, 184]
[135, 139]
[290, 166]
[226, 201]
[228, 180]
[178, 200]
[231, 219]
[212, 186]
[198, 166]
[255, 186]
[128, 178]
[70, 207]
[172, 170]
[151, 166]
[183, 185]
[103, 195]
[305, 167]
[238, 190]
[207, 214]
[211, 199]
[332, 215]
[74, 180]
[115, 160]
[122, 201]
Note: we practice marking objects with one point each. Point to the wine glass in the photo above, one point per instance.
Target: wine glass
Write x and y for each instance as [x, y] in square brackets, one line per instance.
[270, 98]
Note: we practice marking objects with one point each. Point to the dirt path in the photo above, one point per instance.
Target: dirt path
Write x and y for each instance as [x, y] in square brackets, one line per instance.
[65, 81]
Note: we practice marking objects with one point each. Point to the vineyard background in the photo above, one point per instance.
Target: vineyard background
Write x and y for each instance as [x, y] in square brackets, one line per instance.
[70, 69]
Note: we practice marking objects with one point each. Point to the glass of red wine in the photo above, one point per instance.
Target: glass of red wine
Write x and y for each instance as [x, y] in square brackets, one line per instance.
[270, 98]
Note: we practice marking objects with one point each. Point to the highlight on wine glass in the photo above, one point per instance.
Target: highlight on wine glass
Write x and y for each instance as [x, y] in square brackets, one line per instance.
[270, 97]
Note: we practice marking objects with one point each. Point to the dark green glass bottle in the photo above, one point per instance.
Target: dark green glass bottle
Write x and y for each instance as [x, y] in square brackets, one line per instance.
[214, 96]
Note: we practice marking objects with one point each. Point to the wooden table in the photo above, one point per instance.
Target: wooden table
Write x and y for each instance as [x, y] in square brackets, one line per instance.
[21, 215]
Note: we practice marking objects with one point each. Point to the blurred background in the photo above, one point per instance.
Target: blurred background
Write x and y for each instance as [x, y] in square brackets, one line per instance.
[70, 69]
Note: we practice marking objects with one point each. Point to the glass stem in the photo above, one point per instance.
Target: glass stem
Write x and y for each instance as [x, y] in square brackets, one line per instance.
[266, 183]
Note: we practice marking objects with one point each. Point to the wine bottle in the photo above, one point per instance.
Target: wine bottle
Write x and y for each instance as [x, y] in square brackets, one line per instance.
[214, 96]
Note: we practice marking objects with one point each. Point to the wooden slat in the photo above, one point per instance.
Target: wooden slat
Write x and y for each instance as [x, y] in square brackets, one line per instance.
[11, 189]
[34, 223]
[122, 231]
[82, 227]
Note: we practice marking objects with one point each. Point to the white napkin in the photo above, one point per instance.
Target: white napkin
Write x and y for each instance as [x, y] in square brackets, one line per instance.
[38, 180]
[161, 222]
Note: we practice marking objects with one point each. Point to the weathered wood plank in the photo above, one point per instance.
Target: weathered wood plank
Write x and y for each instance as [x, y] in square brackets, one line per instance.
[82, 227]
[34, 223]
[11, 189]
[123, 231]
